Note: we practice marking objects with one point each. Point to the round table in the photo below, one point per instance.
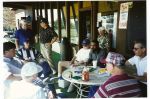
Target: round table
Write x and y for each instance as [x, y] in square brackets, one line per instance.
[95, 78]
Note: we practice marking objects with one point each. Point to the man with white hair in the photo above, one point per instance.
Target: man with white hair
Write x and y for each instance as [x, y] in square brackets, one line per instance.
[26, 89]
[23, 34]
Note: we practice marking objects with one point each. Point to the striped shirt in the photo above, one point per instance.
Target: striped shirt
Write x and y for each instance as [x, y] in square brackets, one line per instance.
[30, 53]
[119, 86]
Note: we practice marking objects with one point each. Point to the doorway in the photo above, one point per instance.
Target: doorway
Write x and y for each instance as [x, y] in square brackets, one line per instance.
[84, 24]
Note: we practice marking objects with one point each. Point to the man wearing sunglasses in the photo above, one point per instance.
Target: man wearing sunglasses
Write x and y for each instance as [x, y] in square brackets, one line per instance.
[140, 62]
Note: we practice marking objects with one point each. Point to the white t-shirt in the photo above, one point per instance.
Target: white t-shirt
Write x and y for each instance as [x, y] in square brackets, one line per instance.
[141, 64]
[82, 54]
[26, 90]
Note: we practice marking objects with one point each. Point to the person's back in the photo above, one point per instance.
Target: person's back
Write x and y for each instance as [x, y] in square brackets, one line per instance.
[119, 84]
[26, 90]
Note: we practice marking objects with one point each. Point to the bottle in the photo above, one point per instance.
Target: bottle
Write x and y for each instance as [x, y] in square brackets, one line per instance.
[85, 74]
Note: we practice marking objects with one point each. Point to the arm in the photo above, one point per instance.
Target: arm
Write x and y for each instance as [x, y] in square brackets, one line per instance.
[50, 95]
[73, 60]
[90, 58]
[17, 44]
[53, 40]
[55, 37]
[141, 78]
[128, 63]
[132, 68]
[12, 77]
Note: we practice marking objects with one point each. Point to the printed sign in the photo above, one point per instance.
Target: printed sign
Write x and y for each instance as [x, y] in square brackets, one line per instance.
[123, 15]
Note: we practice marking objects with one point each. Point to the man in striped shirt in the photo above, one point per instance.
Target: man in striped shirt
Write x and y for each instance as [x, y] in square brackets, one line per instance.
[30, 54]
[119, 84]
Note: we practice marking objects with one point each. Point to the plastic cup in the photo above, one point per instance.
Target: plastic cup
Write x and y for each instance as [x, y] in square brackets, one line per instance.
[94, 63]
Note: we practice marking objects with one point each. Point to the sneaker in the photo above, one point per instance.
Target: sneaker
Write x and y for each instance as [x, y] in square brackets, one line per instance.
[70, 88]
[60, 77]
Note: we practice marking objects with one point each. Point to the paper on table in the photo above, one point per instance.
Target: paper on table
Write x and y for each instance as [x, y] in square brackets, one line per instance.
[103, 74]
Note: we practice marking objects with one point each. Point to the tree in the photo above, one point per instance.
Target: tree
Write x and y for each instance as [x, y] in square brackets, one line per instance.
[8, 18]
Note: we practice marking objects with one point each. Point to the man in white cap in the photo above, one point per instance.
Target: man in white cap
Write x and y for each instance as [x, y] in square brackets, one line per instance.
[26, 89]
[119, 84]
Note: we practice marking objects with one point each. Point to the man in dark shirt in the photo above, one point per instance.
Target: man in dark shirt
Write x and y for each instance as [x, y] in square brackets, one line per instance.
[47, 37]
[97, 54]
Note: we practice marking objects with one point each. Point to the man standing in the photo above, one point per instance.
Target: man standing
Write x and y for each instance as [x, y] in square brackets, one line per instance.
[103, 39]
[47, 37]
[140, 61]
[23, 34]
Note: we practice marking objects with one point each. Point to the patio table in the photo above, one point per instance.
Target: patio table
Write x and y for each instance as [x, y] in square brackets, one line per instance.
[95, 78]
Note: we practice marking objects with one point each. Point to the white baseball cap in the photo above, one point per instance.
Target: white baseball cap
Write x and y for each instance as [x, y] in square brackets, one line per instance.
[30, 69]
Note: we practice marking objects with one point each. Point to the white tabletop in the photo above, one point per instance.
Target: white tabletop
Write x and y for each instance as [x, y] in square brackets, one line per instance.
[94, 77]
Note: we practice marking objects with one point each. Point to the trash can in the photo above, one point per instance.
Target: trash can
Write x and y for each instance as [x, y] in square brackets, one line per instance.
[66, 50]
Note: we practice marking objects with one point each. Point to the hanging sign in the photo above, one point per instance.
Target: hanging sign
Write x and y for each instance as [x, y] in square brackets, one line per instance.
[123, 15]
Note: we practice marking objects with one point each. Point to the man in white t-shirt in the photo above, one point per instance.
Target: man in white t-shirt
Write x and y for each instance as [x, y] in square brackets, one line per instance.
[80, 58]
[139, 60]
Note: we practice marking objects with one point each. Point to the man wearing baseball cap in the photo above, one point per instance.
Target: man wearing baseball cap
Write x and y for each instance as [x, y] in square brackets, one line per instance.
[47, 37]
[80, 58]
[29, 90]
[119, 84]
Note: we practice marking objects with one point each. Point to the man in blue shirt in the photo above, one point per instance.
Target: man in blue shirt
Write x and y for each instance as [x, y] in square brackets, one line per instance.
[23, 34]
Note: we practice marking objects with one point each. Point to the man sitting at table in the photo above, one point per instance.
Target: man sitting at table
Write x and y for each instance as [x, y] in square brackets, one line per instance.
[97, 54]
[119, 84]
[80, 58]
[30, 54]
[140, 62]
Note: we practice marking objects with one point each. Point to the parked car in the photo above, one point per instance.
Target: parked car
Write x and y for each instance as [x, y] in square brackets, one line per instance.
[8, 36]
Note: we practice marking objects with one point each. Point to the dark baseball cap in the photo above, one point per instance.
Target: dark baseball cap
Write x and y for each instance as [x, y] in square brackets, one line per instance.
[86, 42]
[44, 20]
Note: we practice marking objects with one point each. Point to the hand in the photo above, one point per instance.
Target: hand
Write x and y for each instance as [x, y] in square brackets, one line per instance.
[47, 44]
[50, 95]
[24, 61]
[81, 62]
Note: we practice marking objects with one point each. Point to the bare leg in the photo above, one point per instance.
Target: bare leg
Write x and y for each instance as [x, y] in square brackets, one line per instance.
[61, 65]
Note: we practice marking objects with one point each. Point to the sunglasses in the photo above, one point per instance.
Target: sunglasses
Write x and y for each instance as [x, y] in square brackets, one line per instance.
[136, 48]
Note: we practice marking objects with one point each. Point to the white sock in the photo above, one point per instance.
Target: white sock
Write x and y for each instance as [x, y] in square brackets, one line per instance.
[59, 74]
